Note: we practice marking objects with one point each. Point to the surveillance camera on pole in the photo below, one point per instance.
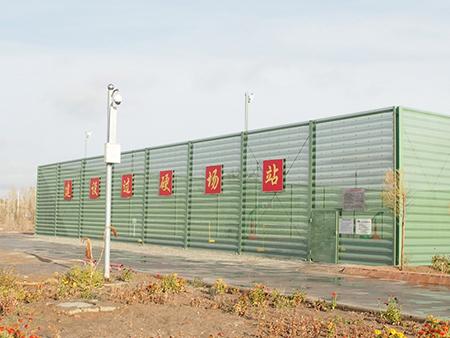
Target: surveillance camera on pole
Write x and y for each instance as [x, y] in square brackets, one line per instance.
[112, 155]
[248, 99]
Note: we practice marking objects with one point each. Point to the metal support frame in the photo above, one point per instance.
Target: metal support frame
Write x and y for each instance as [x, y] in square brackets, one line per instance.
[242, 175]
[80, 196]
[145, 194]
[187, 219]
[58, 176]
[311, 180]
[396, 231]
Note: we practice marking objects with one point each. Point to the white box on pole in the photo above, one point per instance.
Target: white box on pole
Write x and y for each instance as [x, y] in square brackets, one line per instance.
[112, 153]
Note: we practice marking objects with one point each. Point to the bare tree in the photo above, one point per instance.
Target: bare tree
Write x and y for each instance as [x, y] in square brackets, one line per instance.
[394, 197]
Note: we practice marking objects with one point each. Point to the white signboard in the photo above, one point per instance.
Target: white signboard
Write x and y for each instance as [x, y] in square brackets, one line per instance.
[346, 226]
[363, 226]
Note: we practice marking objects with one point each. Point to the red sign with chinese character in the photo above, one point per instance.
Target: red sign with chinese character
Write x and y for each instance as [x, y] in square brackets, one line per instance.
[68, 194]
[213, 179]
[273, 175]
[127, 186]
[165, 182]
[94, 188]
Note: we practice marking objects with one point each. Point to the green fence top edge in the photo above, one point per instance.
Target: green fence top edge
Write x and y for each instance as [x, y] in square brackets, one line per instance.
[425, 112]
[255, 131]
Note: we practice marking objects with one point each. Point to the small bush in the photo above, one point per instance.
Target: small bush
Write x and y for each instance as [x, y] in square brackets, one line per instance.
[280, 301]
[298, 297]
[11, 293]
[219, 287]
[257, 295]
[80, 281]
[392, 314]
[22, 329]
[388, 333]
[154, 292]
[172, 284]
[321, 305]
[441, 263]
[125, 275]
[434, 328]
[242, 305]
[197, 283]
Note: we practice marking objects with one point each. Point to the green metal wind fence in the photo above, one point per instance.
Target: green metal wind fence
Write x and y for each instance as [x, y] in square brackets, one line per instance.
[127, 213]
[424, 141]
[213, 220]
[92, 219]
[46, 199]
[68, 210]
[311, 191]
[277, 222]
[356, 153]
[165, 216]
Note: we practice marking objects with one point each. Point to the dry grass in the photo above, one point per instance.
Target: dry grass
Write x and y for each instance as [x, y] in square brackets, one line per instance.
[18, 210]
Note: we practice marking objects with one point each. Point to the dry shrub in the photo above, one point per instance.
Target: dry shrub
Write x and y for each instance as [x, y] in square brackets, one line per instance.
[392, 314]
[219, 287]
[18, 210]
[295, 324]
[157, 292]
[291, 326]
[80, 281]
[13, 294]
[259, 298]
[441, 263]
[10, 294]
[125, 275]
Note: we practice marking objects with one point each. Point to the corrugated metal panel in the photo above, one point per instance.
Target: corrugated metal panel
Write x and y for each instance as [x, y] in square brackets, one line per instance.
[345, 152]
[92, 221]
[214, 219]
[68, 211]
[425, 161]
[46, 197]
[165, 215]
[356, 153]
[277, 223]
[127, 214]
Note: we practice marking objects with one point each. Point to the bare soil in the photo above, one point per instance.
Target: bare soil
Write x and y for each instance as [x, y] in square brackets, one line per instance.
[196, 311]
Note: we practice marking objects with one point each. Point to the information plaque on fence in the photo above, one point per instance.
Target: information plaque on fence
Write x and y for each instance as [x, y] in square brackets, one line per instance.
[354, 199]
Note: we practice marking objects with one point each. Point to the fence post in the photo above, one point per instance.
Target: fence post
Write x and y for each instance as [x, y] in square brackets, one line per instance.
[145, 194]
[311, 183]
[80, 195]
[242, 176]
[187, 219]
[58, 171]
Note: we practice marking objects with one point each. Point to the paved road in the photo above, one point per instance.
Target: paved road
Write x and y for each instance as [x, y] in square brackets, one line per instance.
[285, 275]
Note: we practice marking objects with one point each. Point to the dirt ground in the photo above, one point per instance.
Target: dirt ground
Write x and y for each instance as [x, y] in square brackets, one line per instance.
[188, 309]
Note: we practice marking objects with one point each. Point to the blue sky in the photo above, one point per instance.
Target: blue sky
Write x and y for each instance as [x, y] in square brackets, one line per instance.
[183, 68]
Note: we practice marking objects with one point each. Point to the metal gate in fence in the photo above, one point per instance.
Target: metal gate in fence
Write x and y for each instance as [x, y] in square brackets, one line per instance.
[324, 236]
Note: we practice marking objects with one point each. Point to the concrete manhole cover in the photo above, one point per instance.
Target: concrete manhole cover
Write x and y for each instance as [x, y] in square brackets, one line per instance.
[75, 307]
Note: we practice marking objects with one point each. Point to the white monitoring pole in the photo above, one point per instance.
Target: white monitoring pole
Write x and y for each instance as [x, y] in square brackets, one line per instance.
[112, 155]
[248, 100]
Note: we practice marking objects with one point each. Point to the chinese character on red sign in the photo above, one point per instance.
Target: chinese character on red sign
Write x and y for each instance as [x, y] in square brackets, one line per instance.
[213, 179]
[273, 175]
[68, 190]
[94, 188]
[165, 182]
[127, 186]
